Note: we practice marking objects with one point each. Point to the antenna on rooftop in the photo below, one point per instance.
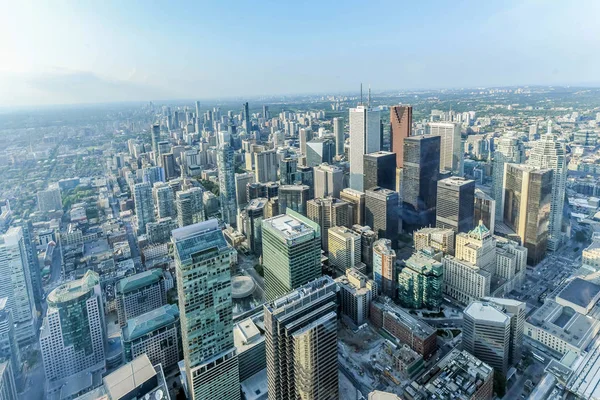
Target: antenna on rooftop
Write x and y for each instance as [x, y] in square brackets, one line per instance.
[361, 101]
[369, 98]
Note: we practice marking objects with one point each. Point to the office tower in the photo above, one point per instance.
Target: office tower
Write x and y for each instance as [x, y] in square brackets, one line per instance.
[287, 170]
[155, 136]
[247, 123]
[265, 165]
[9, 350]
[459, 375]
[338, 134]
[241, 182]
[250, 344]
[515, 310]
[15, 284]
[293, 197]
[156, 333]
[549, 153]
[419, 181]
[8, 387]
[144, 206]
[367, 241]
[226, 169]
[400, 128]
[364, 139]
[486, 334]
[455, 204]
[164, 200]
[202, 265]
[255, 213]
[266, 113]
[152, 175]
[357, 202]
[272, 208]
[139, 294]
[384, 267]
[420, 282]
[190, 207]
[167, 161]
[305, 175]
[32, 259]
[528, 205]
[301, 343]
[509, 149]
[255, 190]
[72, 337]
[344, 248]
[419, 336]
[356, 292]
[328, 212]
[319, 151]
[451, 152]
[468, 275]
[304, 135]
[381, 213]
[160, 231]
[379, 170]
[49, 200]
[291, 253]
[484, 209]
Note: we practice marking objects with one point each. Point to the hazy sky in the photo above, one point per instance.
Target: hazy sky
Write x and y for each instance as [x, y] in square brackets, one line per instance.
[93, 51]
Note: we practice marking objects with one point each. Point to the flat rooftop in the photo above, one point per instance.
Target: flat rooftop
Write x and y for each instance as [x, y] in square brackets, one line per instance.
[255, 387]
[74, 289]
[456, 181]
[140, 280]
[417, 326]
[150, 321]
[580, 292]
[486, 312]
[130, 376]
[289, 227]
[343, 232]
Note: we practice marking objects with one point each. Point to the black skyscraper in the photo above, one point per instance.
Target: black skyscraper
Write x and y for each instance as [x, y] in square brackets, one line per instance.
[455, 204]
[380, 170]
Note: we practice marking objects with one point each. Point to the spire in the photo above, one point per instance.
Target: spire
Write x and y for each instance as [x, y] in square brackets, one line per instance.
[361, 100]
[369, 98]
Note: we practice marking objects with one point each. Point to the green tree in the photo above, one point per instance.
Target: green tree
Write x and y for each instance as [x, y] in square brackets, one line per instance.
[259, 270]
[499, 384]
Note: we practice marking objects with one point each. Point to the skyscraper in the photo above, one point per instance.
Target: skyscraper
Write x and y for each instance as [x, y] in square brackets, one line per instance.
[338, 134]
[301, 337]
[419, 181]
[420, 282]
[455, 204]
[72, 337]
[254, 215]
[484, 209]
[32, 259]
[328, 212]
[451, 150]
[549, 153]
[381, 213]
[400, 128]
[9, 350]
[139, 293]
[509, 149]
[287, 170]
[293, 197]
[384, 267]
[8, 388]
[527, 206]
[364, 138]
[319, 151]
[227, 183]
[247, 123]
[486, 334]
[329, 180]
[304, 135]
[380, 170]
[265, 166]
[190, 208]
[515, 310]
[344, 248]
[15, 284]
[291, 253]
[144, 206]
[164, 200]
[357, 201]
[241, 182]
[202, 266]
[155, 136]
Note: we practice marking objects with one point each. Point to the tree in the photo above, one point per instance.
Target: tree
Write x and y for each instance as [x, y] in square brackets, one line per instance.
[580, 236]
[259, 270]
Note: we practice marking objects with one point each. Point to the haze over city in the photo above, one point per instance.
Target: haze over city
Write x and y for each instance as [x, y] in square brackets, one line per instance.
[93, 52]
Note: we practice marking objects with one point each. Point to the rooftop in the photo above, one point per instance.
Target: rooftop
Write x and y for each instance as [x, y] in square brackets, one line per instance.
[192, 230]
[456, 181]
[580, 292]
[242, 286]
[74, 289]
[255, 387]
[418, 327]
[140, 280]
[257, 204]
[422, 263]
[343, 232]
[130, 376]
[246, 334]
[486, 312]
[150, 321]
[289, 227]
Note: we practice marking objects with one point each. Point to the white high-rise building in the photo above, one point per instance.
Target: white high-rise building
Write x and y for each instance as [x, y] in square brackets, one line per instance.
[508, 150]
[549, 153]
[15, 284]
[164, 200]
[344, 247]
[365, 138]
[265, 165]
[202, 265]
[144, 206]
[72, 337]
[451, 153]
[241, 181]
[227, 183]
[338, 133]
[329, 180]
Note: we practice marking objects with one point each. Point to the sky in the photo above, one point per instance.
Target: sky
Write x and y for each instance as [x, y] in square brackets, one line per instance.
[69, 52]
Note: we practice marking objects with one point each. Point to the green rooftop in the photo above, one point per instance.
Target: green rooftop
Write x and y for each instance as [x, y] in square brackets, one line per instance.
[138, 281]
[150, 321]
[74, 289]
[480, 231]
